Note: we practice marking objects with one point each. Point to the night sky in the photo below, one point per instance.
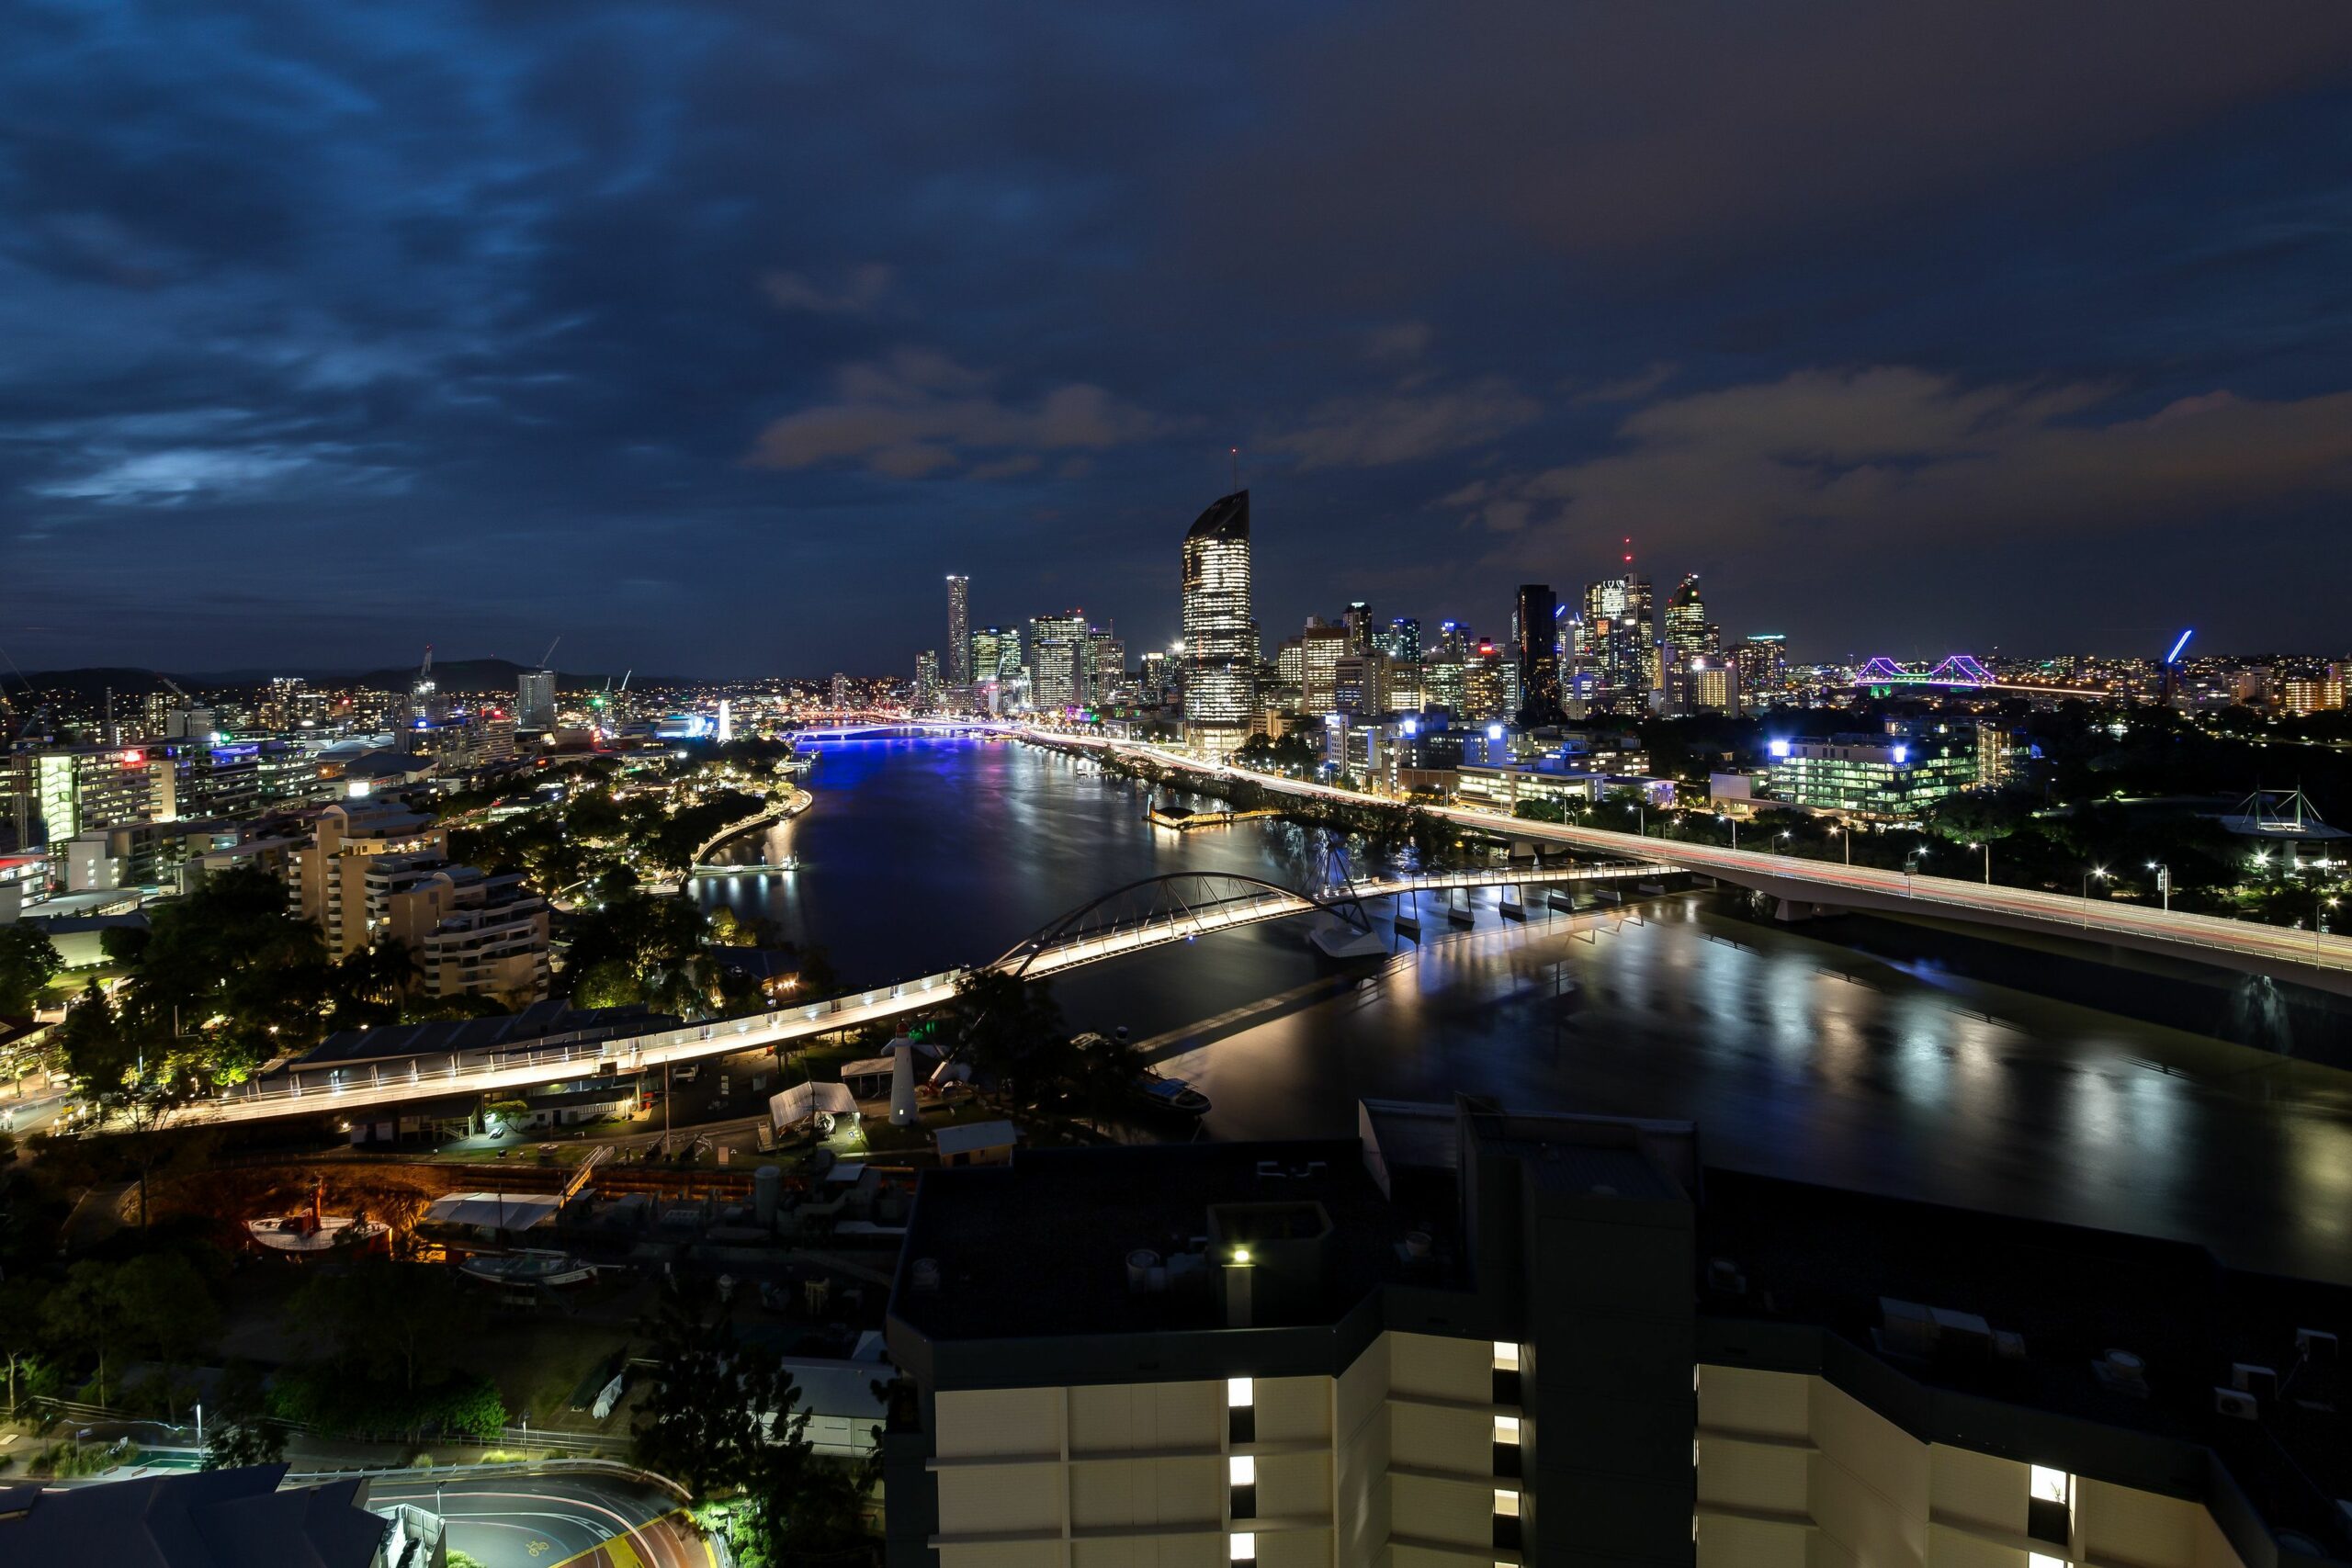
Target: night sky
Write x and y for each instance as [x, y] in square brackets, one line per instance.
[712, 335]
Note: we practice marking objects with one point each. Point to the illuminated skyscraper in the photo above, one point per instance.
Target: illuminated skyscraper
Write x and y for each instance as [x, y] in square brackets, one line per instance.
[960, 632]
[1535, 639]
[1620, 642]
[1057, 660]
[1359, 624]
[1220, 633]
[927, 693]
[1689, 634]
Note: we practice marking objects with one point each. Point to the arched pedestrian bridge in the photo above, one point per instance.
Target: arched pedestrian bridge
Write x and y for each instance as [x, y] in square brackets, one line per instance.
[1157, 912]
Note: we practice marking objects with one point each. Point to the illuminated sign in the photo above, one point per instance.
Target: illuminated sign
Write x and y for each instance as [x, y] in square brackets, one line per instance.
[1778, 748]
[133, 758]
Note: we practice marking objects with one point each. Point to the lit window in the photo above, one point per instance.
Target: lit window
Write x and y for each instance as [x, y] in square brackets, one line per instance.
[1506, 1356]
[1506, 1503]
[1241, 1545]
[1242, 1469]
[1506, 1428]
[2051, 1486]
[1240, 1392]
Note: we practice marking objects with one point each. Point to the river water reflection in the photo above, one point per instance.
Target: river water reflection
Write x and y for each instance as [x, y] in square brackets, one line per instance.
[1794, 1056]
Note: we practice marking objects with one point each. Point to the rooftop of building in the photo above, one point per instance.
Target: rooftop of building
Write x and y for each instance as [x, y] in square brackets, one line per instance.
[1784, 1251]
[1227, 517]
[220, 1518]
[2021, 1313]
[1002, 1274]
[536, 1025]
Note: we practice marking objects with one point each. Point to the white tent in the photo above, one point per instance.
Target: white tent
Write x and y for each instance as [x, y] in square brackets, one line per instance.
[801, 1102]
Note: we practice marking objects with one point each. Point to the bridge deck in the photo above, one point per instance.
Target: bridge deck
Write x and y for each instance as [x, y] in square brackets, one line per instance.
[330, 1091]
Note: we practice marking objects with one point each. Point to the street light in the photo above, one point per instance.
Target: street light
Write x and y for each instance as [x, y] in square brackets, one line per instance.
[1735, 830]
[2099, 872]
[2319, 921]
[2164, 882]
[1846, 839]
[1987, 847]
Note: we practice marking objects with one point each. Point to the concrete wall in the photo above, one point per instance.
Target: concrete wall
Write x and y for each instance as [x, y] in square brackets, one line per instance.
[1795, 1474]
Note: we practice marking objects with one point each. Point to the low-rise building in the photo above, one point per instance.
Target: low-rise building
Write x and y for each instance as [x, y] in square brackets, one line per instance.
[218, 1519]
[1882, 778]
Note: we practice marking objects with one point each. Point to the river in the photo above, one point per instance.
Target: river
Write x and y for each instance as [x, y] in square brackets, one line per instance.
[1794, 1056]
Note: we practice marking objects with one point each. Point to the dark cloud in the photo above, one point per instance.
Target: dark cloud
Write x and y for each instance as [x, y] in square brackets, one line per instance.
[615, 318]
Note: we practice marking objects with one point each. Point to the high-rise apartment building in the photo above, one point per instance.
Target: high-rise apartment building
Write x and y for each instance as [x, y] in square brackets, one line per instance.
[841, 702]
[535, 700]
[1537, 648]
[2308, 693]
[1470, 1336]
[1220, 630]
[928, 696]
[1763, 661]
[958, 672]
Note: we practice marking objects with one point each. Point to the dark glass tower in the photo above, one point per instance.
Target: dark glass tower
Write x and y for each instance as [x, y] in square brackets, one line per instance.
[1536, 637]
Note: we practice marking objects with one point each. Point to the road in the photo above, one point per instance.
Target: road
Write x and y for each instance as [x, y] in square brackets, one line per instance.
[2324, 960]
[539, 1521]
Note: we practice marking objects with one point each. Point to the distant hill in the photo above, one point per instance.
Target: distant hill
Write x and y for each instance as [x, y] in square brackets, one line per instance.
[130, 684]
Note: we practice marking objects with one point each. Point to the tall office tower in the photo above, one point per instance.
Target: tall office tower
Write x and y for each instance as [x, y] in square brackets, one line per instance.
[1358, 621]
[1290, 667]
[1763, 661]
[995, 653]
[960, 632]
[928, 694]
[535, 700]
[1453, 640]
[1151, 685]
[1441, 685]
[1484, 689]
[1057, 661]
[1536, 647]
[1320, 648]
[1689, 634]
[1220, 633]
[1402, 639]
[1106, 666]
[1620, 644]
[1360, 683]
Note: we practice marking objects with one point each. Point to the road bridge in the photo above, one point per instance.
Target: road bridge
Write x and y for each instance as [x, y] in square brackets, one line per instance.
[1806, 886]
[1158, 913]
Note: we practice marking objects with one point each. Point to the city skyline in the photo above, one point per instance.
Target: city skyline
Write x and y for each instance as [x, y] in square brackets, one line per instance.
[1914, 378]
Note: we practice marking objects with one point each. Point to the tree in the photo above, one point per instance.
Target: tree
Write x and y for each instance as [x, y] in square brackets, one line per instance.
[242, 1433]
[393, 1322]
[97, 1053]
[715, 1406]
[89, 1312]
[27, 963]
[1013, 1030]
[22, 1328]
